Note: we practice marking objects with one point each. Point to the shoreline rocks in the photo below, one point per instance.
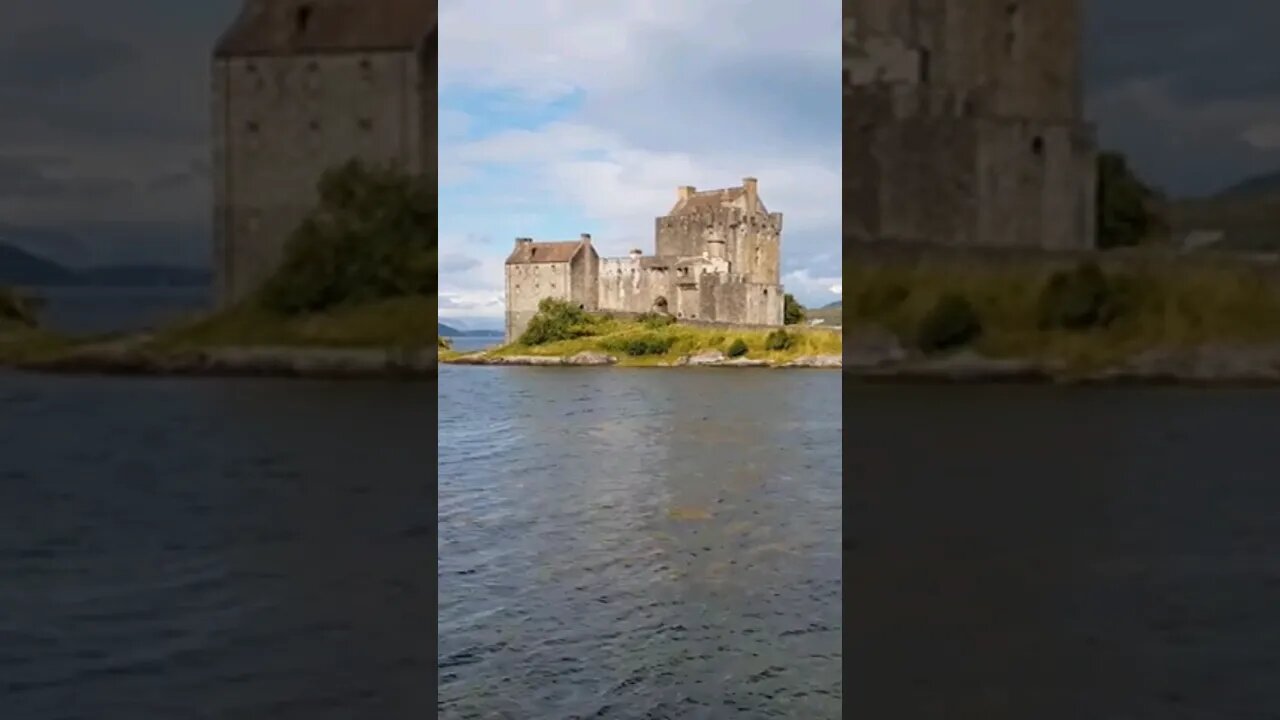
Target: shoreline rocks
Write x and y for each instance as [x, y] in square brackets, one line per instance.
[320, 363]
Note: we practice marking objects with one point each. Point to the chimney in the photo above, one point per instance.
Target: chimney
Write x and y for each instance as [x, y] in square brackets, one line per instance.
[715, 248]
[636, 253]
[684, 192]
[585, 237]
[753, 198]
[522, 240]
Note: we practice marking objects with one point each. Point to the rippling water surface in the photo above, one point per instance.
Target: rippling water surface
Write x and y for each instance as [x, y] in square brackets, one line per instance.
[632, 543]
[214, 549]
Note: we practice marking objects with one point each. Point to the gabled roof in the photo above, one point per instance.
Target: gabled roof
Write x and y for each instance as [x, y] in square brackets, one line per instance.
[287, 27]
[710, 200]
[544, 252]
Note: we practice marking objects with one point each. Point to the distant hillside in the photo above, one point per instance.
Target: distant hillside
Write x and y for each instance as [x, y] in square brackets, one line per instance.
[1247, 221]
[450, 331]
[19, 267]
[1267, 184]
[829, 314]
[145, 276]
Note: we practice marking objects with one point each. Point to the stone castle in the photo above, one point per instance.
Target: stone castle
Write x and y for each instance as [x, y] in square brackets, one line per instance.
[717, 258]
[964, 124]
[300, 86]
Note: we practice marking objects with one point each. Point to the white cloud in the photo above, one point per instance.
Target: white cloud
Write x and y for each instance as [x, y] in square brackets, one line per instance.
[671, 94]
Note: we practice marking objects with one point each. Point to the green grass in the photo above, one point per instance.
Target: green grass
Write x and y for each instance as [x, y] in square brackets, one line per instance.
[611, 334]
[407, 322]
[21, 344]
[1170, 303]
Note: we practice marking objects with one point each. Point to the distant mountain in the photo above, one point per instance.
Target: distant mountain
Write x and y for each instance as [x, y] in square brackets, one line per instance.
[832, 306]
[146, 276]
[450, 331]
[19, 267]
[1265, 184]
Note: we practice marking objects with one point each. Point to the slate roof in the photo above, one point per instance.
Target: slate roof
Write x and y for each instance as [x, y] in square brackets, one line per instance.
[544, 252]
[288, 27]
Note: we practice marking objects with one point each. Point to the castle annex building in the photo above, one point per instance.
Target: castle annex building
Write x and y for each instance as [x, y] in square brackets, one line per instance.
[964, 124]
[300, 87]
[717, 259]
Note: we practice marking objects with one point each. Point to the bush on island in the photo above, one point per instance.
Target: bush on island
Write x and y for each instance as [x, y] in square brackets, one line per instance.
[16, 309]
[951, 323]
[371, 237]
[792, 310]
[558, 320]
[1080, 299]
[656, 321]
[640, 345]
[778, 340]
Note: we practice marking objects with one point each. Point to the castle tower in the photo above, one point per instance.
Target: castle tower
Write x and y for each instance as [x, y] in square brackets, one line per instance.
[964, 123]
[300, 86]
[730, 223]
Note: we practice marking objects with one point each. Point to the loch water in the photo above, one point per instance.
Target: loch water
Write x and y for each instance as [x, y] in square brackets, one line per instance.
[632, 543]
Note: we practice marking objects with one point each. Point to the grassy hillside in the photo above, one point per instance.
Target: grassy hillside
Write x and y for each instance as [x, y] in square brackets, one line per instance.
[1248, 212]
[1021, 311]
[403, 322]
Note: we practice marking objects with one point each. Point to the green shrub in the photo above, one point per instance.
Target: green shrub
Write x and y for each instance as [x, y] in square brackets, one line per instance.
[778, 340]
[737, 348]
[371, 237]
[655, 321]
[792, 310]
[558, 320]
[1081, 299]
[641, 345]
[16, 309]
[951, 323]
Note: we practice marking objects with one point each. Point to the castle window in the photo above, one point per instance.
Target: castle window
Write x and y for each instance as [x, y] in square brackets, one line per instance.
[314, 125]
[365, 124]
[1013, 13]
[924, 67]
[1037, 146]
[302, 18]
[252, 126]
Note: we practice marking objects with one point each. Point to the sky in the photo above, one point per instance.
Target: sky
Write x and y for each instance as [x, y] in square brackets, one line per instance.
[590, 124]
[566, 116]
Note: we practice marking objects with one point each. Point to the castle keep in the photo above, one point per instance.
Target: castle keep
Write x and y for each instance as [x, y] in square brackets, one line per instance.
[300, 87]
[717, 259]
[964, 124]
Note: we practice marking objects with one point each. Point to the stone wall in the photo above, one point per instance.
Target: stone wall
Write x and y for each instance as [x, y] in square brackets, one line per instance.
[281, 121]
[963, 124]
[526, 285]
[752, 241]
[635, 284]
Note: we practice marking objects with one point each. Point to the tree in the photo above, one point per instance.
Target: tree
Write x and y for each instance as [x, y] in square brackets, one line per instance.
[371, 237]
[792, 310]
[1128, 211]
